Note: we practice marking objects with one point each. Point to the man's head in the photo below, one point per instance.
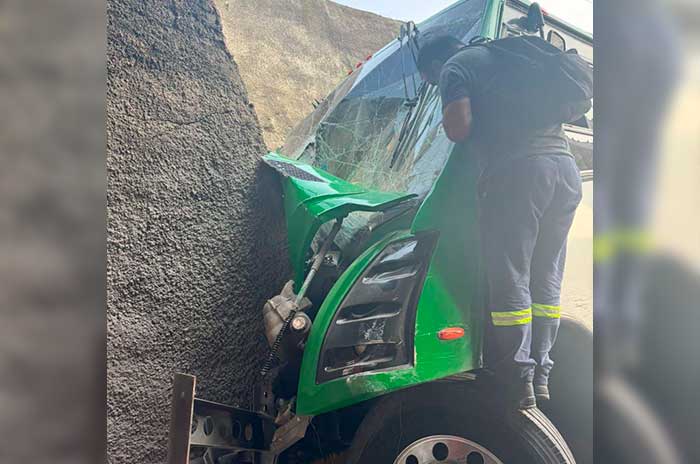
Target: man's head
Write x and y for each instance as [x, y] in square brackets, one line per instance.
[434, 53]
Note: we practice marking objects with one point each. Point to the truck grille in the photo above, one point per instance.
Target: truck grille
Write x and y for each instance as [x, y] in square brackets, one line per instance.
[290, 170]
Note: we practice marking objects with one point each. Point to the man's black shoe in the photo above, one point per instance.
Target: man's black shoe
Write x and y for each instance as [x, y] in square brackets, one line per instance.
[542, 392]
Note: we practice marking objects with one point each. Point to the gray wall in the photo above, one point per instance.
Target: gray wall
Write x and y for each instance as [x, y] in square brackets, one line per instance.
[196, 238]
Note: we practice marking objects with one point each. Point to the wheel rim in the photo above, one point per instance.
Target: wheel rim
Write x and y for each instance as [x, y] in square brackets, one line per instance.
[446, 449]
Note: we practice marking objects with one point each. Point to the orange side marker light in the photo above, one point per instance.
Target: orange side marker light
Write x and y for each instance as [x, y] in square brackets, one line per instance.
[451, 333]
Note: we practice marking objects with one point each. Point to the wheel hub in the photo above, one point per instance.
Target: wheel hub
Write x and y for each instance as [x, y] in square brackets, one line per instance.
[447, 449]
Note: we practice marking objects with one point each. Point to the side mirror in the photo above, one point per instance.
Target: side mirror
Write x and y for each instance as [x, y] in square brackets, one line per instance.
[556, 39]
[535, 19]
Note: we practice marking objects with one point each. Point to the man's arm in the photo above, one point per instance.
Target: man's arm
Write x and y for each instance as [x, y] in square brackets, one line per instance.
[457, 119]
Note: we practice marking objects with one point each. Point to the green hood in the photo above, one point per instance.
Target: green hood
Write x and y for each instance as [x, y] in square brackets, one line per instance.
[313, 197]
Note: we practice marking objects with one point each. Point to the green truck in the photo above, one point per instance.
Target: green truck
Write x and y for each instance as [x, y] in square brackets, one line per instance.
[376, 343]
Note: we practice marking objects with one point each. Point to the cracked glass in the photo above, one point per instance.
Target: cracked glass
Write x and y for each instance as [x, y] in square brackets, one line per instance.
[381, 127]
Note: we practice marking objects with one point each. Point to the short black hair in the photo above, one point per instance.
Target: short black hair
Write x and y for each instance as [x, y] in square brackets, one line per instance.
[437, 48]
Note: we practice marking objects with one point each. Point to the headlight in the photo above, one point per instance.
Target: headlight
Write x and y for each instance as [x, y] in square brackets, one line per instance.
[374, 326]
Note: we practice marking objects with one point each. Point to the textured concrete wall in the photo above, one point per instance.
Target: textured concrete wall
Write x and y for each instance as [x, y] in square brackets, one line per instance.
[196, 236]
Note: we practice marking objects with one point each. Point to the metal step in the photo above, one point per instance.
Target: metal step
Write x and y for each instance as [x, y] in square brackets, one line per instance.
[197, 423]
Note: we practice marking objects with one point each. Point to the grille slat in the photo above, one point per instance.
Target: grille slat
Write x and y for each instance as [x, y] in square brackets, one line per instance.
[290, 170]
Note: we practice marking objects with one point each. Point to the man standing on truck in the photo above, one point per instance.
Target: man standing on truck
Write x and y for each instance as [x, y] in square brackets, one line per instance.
[528, 190]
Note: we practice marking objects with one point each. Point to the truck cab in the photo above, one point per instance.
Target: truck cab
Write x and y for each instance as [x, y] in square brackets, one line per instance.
[378, 336]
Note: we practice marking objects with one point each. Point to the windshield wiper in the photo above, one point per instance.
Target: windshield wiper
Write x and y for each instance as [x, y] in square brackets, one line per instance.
[409, 32]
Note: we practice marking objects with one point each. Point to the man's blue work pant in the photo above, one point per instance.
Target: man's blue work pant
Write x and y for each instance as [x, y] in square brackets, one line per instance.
[526, 210]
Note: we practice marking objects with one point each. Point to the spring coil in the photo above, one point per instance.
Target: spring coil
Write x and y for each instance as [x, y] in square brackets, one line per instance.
[316, 264]
[272, 356]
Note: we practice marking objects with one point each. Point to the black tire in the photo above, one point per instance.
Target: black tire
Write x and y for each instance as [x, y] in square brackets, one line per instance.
[571, 387]
[456, 409]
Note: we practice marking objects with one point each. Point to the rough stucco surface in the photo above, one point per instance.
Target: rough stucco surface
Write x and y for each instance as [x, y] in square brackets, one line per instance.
[196, 240]
[291, 52]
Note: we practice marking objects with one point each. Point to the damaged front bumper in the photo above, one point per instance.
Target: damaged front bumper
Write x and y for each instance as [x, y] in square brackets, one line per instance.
[222, 433]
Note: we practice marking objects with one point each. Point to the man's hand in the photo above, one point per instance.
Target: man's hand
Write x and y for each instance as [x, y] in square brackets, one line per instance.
[457, 119]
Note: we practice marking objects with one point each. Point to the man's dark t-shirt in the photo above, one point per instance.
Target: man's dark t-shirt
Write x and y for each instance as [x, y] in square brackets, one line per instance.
[467, 74]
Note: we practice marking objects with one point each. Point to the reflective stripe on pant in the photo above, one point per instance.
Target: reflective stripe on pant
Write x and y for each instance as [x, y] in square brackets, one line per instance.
[526, 211]
[511, 318]
[542, 310]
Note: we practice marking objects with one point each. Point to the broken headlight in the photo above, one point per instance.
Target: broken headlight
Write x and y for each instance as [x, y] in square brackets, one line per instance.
[373, 328]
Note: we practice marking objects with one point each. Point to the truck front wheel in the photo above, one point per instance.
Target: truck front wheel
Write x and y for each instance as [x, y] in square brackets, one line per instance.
[454, 423]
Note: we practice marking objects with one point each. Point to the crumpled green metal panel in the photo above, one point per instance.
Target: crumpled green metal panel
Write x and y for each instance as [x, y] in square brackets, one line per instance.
[310, 203]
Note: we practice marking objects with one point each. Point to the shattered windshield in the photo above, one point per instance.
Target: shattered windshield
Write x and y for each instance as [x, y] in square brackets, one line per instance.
[381, 128]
